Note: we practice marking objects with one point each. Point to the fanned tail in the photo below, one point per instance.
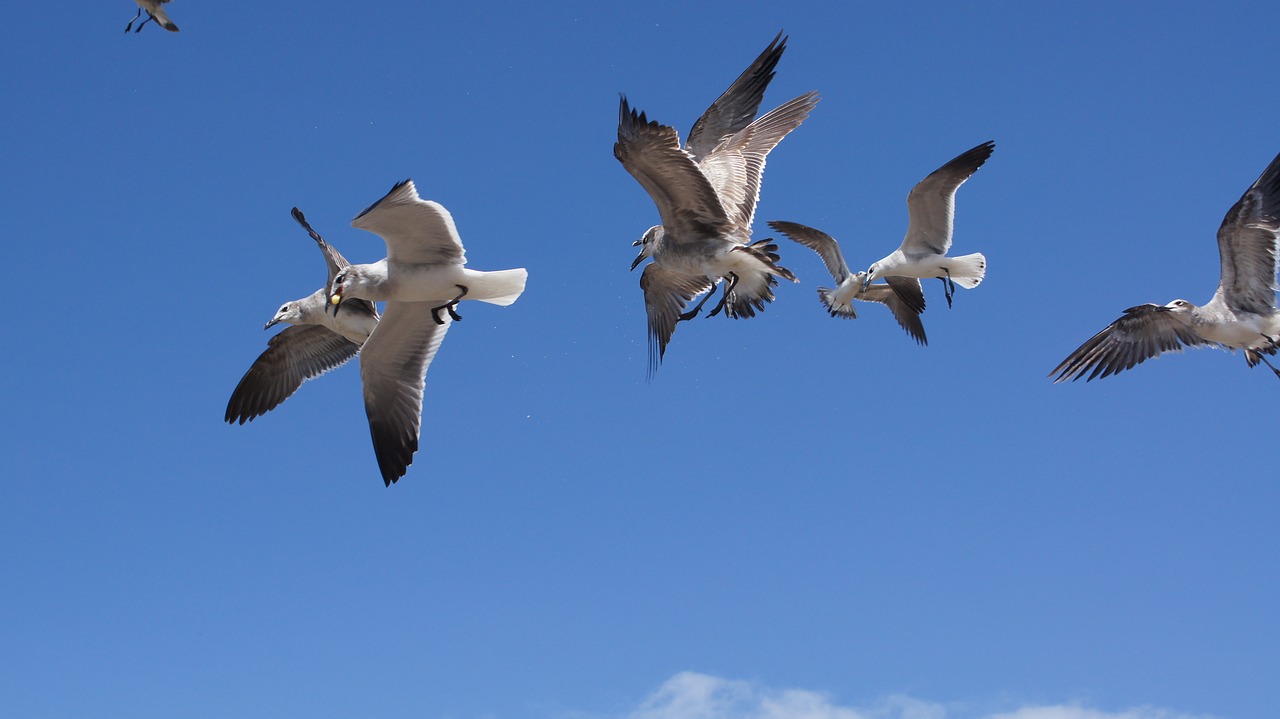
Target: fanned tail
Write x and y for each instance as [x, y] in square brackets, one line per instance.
[834, 307]
[967, 270]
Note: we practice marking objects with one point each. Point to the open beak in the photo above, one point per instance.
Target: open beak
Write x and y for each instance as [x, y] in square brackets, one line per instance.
[638, 260]
[335, 300]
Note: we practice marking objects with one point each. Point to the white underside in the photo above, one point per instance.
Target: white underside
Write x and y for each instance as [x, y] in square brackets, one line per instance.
[442, 283]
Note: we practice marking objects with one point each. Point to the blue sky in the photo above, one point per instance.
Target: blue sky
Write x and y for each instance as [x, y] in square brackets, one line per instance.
[799, 517]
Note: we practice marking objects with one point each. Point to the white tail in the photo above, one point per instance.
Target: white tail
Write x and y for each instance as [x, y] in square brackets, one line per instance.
[967, 270]
[502, 287]
[834, 308]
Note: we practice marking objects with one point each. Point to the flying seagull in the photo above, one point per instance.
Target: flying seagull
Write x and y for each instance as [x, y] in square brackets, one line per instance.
[839, 301]
[931, 207]
[1241, 315]
[706, 195]
[154, 12]
[315, 343]
[422, 280]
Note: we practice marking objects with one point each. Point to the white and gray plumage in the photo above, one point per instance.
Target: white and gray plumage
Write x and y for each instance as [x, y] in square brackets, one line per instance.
[422, 280]
[902, 295]
[315, 343]
[706, 195]
[154, 12]
[737, 106]
[1241, 314]
[931, 206]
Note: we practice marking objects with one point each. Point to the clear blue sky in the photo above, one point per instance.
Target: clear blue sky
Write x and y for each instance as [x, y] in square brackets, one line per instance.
[796, 506]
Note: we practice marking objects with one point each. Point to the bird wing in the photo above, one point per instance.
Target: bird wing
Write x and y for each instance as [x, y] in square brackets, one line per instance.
[908, 318]
[818, 241]
[1143, 332]
[908, 291]
[665, 295]
[416, 231]
[931, 204]
[335, 262]
[293, 356]
[737, 107]
[736, 166]
[1247, 245]
[687, 204]
[393, 368]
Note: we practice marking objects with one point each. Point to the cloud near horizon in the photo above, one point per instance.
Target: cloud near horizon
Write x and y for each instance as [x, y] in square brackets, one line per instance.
[690, 695]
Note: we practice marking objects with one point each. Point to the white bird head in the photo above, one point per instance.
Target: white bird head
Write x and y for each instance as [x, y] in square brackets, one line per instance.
[289, 313]
[1180, 305]
[648, 244]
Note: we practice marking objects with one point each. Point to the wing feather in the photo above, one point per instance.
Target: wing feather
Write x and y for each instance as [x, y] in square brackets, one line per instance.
[416, 231]
[393, 367]
[1143, 332]
[931, 204]
[293, 356]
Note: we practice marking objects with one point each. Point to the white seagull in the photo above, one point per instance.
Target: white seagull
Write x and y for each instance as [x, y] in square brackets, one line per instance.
[902, 295]
[315, 343]
[931, 207]
[706, 195]
[154, 12]
[422, 280]
[1241, 314]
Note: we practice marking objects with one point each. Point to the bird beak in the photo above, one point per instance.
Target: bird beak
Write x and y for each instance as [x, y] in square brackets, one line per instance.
[637, 243]
[638, 260]
[335, 300]
[271, 324]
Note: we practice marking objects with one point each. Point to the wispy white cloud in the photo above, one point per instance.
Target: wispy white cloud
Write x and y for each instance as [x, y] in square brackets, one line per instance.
[690, 695]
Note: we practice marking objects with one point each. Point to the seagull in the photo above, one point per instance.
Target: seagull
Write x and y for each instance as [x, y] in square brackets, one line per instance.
[314, 344]
[422, 280]
[154, 12]
[1241, 314]
[902, 295]
[931, 206]
[706, 194]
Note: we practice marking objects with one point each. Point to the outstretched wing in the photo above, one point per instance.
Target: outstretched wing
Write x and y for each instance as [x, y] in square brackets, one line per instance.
[416, 231]
[1143, 332]
[737, 107]
[818, 241]
[293, 356]
[1247, 245]
[736, 166]
[393, 367]
[931, 205]
[651, 152]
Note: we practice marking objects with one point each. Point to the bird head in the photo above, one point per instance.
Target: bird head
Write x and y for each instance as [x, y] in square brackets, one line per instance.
[647, 244]
[289, 313]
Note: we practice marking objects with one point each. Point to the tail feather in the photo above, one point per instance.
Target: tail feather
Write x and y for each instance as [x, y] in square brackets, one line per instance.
[967, 270]
[502, 287]
[754, 287]
[834, 307]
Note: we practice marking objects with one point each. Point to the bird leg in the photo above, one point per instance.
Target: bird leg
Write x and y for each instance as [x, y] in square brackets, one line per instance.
[1262, 352]
[694, 312]
[948, 287]
[728, 287]
[1268, 364]
[129, 27]
[150, 17]
[435, 311]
